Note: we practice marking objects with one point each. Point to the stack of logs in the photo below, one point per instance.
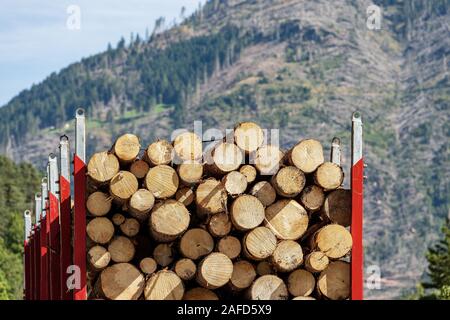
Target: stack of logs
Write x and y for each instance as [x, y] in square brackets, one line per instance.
[241, 220]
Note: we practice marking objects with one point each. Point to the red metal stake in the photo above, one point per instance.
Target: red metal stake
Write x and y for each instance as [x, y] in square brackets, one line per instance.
[357, 179]
[55, 264]
[80, 204]
[44, 295]
[27, 255]
[65, 217]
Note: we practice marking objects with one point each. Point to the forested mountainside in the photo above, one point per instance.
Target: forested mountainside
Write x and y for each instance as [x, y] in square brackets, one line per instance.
[301, 66]
[18, 183]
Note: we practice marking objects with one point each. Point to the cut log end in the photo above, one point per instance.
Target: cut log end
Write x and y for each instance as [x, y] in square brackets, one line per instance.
[139, 168]
[334, 281]
[235, 183]
[200, 294]
[338, 207]
[185, 269]
[127, 148]
[265, 193]
[214, 271]
[287, 219]
[287, 256]
[333, 240]
[121, 249]
[211, 197]
[130, 227]
[100, 230]
[248, 136]
[121, 281]
[190, 172]
[312, 198]
[159, 152]
[307, 155]
[148, 265]
[169, 220]
[243, 275]
[102, 167]
[226, 157]
[259, 243]
[162, 181]
[229, 246]
[163, 254]
[188, 146]
[247, 212]
[164, 285]
[268, 159]
[316, 261]
[98, 257]
[329, 176]
[196, 243]
[123, 185]
[99, 204]
[185, 195]
[249, 172]
[268, 287]
[289, 181]
[219, 224]
[301, 283]
[141, 202]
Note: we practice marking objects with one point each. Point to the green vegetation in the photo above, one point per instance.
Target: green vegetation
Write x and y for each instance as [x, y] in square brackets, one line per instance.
[18, 183]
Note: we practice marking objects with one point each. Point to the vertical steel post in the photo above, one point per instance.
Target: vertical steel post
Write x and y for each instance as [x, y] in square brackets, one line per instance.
[335, 156]
[357, 179]
[55, 265]
[27, 255]
[79, 164]
[44, 295]
[37, 246]
[65, 216]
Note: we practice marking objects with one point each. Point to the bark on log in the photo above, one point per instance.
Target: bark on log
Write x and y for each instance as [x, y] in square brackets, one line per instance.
[162, 181]
[247, 212]
[307, 155]
[214, 271]
[287, 219]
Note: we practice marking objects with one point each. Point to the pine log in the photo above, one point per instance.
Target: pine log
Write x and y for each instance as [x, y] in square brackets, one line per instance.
[130, 227]
[259, 243]
[289, 181]
[169, 219]
[243, 275]
[249, 172]
[123, 185]
[301, 283]
[190, 172]
[316, 261]
[99, 204]
[214, 271]
[265, 193]
[200, 294]
[100, 230]
[102, 167]
[163, 254]
[98, 258]
[139, 168]
[268, 287]
[159, 152]
[329, 176]
[312, 198]
[164, 285]
[226, 157]
[188, 146]
[287, 219]
[185, 195]
[333, 240]
[196, 243]
[306, 155]
[121, 281]
[211, 197]
[229, 246]
[334, 281]
[235, 183]
[338, 207]
[248, 136]
[287, 256]
[121, 249]
[141, 202]
[264, 267]
[186, 269]
[118, 219]
[127, 148]
[219, 225]
[247, 212]
[162, 181]
[268, 159]
[148, 265]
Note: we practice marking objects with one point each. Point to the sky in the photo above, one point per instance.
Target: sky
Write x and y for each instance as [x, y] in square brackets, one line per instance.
[38, 37]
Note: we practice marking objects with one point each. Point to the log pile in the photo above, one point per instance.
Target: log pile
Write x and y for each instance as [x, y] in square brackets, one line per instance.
[248, 221]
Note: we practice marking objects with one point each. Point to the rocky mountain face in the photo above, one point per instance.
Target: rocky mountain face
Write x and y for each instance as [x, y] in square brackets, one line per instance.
[299, 66]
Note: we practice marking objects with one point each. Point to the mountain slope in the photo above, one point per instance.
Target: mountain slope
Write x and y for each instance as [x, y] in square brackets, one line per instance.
[301, 66]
